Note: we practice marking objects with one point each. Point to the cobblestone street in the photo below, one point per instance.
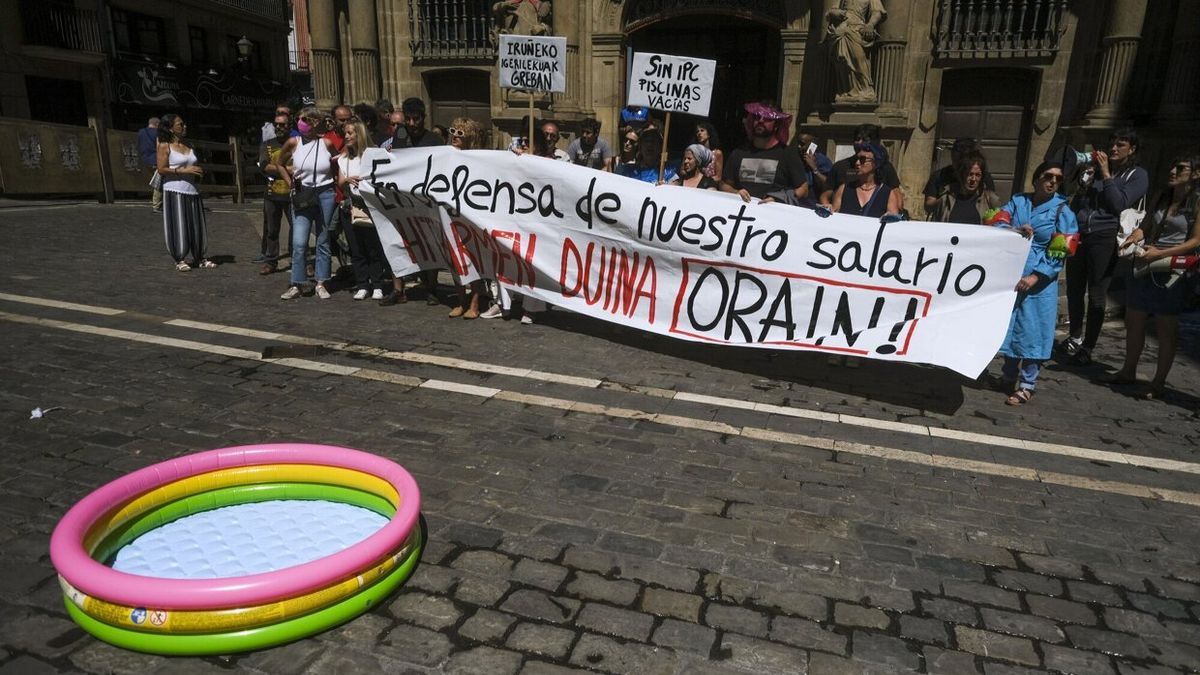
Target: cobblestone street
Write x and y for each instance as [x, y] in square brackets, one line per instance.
[596, 498]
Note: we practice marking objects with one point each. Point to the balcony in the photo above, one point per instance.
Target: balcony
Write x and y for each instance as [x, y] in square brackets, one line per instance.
[275, 10]
[976, 29]
[60, 25]
[298, 59]
[451, 30]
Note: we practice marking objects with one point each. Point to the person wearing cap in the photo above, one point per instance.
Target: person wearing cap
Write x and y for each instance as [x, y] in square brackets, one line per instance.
[946, 177]
[752, 170]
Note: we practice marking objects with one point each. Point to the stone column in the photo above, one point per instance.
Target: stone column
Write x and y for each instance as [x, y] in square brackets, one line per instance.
[1119, 51]
[322, 29]
[793, 43]
[1181, 92]
[607, 74]
[887, 63]
[364, 42]
[566, 22]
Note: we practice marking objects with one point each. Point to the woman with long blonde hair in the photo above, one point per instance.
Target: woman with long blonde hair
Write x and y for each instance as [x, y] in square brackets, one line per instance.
[366, 252]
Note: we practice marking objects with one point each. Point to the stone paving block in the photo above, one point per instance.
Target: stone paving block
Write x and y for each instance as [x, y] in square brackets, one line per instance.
[41, 635]
[1054, 567]
[539, 605]
[482, 591]
[1177, 655]
[568, 534]
[1128, 621]
[604, 653]
[1024, 581]
[430, 611]
[1021, 624]
[543, 668]
[672, 603]
[1126, 668]
[951, 610]
[538, 548]
[684, 636]
[541, 639]
[1175, 588]
[998, 668]
[794, 603]
[1118, 576]
[820, 663]
[986, 595]
[630, 544]
[929, 631]
[486, 625]
[615, 621]
[364, 630]
[27, 665]
[483, 661]
[1117, 644]
[807, 634]
[486, 563]
[1169, 609]
[883, 649]
[946, 662]
[1061, 610]
[415, 645]
[736, 619]
[1188, 633]
[432, 578]
[759, 656]
[349, 659]
[101, 657]
[1075, 662]
[995, 645]
[594, 587]
[1081, 591]
[854, 615]
[546, 576]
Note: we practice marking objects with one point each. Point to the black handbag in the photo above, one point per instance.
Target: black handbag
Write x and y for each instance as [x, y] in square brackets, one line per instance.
[310, 196]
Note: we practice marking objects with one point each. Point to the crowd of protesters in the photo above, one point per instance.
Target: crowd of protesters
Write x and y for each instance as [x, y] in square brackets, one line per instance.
[312, 164]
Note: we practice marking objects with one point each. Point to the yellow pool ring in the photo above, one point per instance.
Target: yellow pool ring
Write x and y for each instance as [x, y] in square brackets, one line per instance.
[242, 475]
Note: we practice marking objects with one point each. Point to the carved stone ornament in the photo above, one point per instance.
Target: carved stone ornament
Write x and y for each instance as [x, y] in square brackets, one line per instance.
[851, 31]
[522, 17]
[68, 150]
[130, 159]
[31, 150]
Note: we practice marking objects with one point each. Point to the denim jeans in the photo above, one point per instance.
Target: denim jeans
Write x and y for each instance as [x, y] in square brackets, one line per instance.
[318, 219]
[1024, 371]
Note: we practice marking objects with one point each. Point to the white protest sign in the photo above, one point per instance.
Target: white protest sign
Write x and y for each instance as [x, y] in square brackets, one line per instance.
[699, 264]
[671, 83]
[533, 63]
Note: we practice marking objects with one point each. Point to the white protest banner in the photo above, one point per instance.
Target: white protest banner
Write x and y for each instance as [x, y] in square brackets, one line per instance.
[671, 83]
[698, 264]
[533, 63]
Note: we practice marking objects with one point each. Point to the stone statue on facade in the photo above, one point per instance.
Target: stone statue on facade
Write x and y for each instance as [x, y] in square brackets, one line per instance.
[851, 31]
[522, 17]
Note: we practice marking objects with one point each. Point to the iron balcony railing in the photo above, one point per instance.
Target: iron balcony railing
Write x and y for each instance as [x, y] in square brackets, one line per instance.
[276, 10]
[451, 29]
[56, 24]
[998, 28]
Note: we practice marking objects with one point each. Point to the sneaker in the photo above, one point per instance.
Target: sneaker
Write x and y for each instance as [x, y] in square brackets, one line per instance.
[457, 312]
[1082, 357]
[493, 312]
[377, 294]
[1070, 345]
[526, 319]
[260, 258]
[322, 293]
[361, 294]
[392, 298]
[291, 293]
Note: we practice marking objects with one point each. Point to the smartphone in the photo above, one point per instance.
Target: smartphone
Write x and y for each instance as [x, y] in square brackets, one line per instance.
[812, 148]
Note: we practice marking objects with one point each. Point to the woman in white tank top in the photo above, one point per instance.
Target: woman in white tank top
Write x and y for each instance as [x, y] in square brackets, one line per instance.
[184, 228]
[311, 176]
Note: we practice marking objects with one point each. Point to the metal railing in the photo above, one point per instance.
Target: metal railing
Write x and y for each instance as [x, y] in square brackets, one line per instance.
[56, 24]
[998, 28]
[276, 10]
[451, 29]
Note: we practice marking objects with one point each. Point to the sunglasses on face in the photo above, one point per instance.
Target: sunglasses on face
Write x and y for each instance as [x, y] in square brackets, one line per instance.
[1051, 177]
[455, 132]
[630, 141]
[863, 159]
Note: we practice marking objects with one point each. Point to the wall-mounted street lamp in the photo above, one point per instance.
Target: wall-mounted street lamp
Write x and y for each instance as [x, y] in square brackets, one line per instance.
[245, 47]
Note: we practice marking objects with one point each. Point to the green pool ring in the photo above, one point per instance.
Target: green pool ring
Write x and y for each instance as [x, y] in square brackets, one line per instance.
[232, 496]
[256, 638]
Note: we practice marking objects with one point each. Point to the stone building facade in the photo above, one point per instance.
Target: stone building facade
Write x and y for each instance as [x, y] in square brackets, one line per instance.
[1023, 76]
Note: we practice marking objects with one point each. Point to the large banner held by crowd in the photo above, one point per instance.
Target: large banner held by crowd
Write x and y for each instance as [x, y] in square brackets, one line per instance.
[698, 264]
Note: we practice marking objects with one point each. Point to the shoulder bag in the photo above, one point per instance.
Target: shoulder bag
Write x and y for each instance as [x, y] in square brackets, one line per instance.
[306, 197]
[1130, 219]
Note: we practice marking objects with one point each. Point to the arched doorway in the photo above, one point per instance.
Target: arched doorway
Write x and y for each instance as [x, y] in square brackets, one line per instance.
[747, 55]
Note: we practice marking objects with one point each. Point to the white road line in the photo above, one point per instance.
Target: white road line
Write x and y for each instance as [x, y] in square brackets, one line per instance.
[720, 401]
[485, 393]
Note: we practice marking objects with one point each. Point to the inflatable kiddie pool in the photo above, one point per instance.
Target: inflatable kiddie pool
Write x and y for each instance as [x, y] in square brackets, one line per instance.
[237, 549]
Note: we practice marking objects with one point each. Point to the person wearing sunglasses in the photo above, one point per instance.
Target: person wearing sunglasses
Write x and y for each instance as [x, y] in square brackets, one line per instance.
[752, 169]
[1171, 228]
[1119, 184]
[865, 194]
[629, 146]
[464, 134]
[546, 142]
[312, 179]
[277, 200]
[1038, 216]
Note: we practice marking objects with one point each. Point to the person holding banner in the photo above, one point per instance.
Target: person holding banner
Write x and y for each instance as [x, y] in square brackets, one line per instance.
[865, 195]
[691, 171]
[589, 149]
[366, 253]
[706, 135]
[1038, 215]
[645, 165]
[752, 169]
[464, 135]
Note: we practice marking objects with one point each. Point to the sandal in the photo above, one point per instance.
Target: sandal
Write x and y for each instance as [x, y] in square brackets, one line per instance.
[1019, 397]
[206, 264]
[182, 266]
[1156, 392]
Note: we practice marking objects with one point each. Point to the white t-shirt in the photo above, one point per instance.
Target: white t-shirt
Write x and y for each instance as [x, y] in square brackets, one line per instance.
[185, 183]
